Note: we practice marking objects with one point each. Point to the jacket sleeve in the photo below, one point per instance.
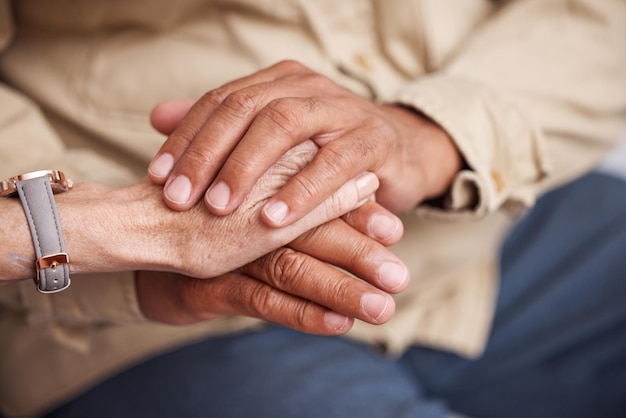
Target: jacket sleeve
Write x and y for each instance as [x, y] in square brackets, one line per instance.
[535, 96]
[27, 142]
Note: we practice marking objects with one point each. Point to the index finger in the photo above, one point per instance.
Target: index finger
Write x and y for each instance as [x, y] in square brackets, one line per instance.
[183, 122]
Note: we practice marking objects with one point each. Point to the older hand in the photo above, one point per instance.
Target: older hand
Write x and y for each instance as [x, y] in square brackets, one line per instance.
[289, 287]
[233, 134]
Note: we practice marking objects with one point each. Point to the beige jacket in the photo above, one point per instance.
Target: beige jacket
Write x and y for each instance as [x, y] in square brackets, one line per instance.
[532, 91]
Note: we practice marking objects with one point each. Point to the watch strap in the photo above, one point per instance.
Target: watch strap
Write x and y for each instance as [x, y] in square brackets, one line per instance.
[53, 269]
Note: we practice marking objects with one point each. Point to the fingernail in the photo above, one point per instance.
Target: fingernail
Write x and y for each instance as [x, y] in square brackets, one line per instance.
[276, 211]
[335, 321]
[383, 227]
[162, 165]
[366, 184]
[218, 196]
[374, 305]
[392, 275]
[178, 190]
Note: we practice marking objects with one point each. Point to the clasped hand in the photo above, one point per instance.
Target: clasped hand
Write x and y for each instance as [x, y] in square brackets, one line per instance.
[223, 144]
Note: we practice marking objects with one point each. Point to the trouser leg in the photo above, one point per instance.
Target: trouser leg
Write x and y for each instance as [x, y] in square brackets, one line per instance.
[558, 343]
[275, 373]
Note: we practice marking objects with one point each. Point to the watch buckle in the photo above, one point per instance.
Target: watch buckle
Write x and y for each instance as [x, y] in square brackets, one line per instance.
[51, 261]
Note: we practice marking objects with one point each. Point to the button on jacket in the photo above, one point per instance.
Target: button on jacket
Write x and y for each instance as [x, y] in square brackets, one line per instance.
[533, 92]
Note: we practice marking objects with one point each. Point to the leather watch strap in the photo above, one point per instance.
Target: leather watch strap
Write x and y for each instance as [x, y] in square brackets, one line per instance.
[53, 269]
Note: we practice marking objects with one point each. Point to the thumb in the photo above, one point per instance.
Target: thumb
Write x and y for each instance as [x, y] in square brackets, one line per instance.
[167, 115]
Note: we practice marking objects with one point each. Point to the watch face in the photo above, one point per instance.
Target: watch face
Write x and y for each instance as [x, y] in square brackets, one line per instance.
[58, 182]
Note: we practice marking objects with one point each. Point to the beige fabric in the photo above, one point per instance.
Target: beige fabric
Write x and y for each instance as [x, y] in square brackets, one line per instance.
[532, 91]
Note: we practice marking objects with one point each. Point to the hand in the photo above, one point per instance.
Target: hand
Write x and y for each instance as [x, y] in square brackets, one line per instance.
[289, 287]
[234, 133]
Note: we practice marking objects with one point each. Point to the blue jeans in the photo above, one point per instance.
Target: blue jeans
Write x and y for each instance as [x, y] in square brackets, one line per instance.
[557, 346]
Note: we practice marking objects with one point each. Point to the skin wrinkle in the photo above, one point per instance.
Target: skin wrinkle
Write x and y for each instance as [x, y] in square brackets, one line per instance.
[292, 162]
[291, 265]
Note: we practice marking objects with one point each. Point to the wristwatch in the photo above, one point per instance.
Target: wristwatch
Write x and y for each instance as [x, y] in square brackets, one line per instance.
[36, 191]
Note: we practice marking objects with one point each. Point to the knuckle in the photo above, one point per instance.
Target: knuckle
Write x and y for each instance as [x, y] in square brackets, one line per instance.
[341, 290]
[331, 168]
[363, 249]
[268, 303]
[284, 266]
[291, 65]
[309, 189]
[300, 315]
[215, 97]
[262, 300]
[365, 257]
[321, 81]
[336, 160]
[198, 157]
[184, 133]
[240, 168]
[242, 102]
[311, 104]
[282, 114]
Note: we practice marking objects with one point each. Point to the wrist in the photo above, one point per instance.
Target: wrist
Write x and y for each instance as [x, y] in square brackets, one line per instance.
[110, 230]
[35, 191]
[17, 243]
[433, 153]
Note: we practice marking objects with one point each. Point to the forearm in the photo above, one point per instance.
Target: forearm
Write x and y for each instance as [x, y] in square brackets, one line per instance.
[111, 230]
[105, 230]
